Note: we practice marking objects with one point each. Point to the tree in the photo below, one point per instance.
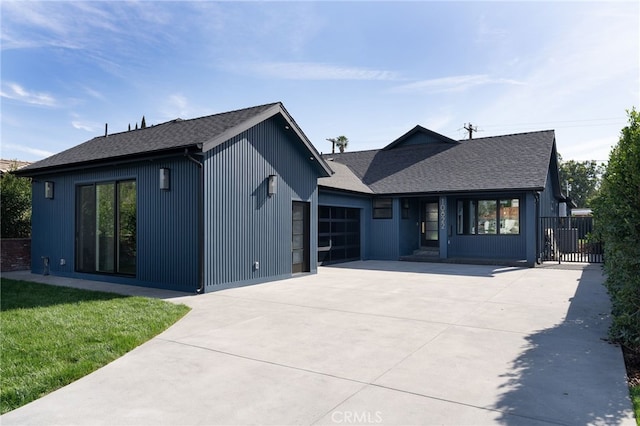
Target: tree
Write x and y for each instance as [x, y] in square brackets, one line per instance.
[340, 141]
[580, 180]
[617, 220]
[15, 205]
[143, 125]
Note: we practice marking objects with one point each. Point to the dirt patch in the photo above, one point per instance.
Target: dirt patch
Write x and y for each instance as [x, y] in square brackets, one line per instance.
[632, 362]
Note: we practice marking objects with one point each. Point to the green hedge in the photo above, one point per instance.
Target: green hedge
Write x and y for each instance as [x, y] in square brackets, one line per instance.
[617, 216]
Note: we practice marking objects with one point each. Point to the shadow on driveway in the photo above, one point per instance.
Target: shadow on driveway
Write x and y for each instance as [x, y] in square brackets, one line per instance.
[559, 363]
[437, 268]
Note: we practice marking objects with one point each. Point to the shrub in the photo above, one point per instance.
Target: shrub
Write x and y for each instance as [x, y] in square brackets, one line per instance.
[617, 215]
[15, 206]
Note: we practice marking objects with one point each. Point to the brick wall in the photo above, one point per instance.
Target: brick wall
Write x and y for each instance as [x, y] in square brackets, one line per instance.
[15, 254]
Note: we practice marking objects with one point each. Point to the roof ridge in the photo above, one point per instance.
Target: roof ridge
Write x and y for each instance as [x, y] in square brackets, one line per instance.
[186, 120]
[508, 134]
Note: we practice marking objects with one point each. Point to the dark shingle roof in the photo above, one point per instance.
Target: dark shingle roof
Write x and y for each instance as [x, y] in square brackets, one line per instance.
[518, 161]
[172, 135]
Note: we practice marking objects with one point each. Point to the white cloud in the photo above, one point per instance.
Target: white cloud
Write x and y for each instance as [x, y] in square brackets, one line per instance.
[83, 125]
[317, 71]
[17, 92]
[41, 153]
[456, 83]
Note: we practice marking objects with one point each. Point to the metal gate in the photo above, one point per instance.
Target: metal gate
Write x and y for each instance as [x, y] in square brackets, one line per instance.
[569, 239]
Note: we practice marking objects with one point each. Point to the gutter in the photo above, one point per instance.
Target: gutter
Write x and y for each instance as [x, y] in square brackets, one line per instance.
[188, 155]
[536, 196]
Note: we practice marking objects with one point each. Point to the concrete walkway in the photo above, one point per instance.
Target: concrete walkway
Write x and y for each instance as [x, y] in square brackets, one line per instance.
[369, 343]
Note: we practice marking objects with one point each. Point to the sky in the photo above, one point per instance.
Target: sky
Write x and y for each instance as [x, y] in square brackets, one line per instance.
[368, 70]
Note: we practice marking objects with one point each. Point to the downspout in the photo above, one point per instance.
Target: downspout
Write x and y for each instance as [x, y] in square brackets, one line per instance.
[536, 196]
[200, 289]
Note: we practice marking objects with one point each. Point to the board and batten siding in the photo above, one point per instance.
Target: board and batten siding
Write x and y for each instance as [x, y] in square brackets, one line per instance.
[166, 228]
[247, 233]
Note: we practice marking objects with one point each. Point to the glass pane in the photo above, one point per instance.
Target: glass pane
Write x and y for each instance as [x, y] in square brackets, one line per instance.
[487, 216]
[127, 219]
[510, 216]
[297, 256]
[471, 219]
[297, 242]
[460, 217]
[382, 214]
[298, 227]
[381, 203]
[105, 203]
[431, 235]
[86, 229]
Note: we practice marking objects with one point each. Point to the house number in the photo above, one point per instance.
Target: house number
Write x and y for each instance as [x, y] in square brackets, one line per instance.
[443, 216]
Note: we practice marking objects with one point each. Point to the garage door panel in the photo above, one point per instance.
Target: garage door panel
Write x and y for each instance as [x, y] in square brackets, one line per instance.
[338, 234]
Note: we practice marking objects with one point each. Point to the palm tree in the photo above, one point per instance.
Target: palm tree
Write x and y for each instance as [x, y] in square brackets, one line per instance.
[341, 141]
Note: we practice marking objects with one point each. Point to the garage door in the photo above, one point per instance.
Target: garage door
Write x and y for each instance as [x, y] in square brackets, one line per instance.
[338, 234]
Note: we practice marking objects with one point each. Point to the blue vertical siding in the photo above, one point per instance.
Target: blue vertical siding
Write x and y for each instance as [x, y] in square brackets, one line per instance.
[166, 223]
[548, 201]
[362, 202]
[385, 235]
[410, 228]
[243, 225]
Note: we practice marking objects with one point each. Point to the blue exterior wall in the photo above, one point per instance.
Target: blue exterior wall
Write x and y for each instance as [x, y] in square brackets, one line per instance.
[337, 199]
[243, 225]
[385, 235]
[548, 201]
[409, 228]
[166, 223]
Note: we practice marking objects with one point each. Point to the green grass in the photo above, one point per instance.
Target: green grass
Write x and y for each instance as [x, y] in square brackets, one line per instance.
[635, 399]
[51, 336]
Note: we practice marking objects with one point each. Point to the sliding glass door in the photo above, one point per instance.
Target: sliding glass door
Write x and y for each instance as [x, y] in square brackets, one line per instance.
[106, 227]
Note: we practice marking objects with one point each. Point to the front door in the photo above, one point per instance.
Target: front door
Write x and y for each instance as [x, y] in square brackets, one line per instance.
[300, 240]
[429, 223]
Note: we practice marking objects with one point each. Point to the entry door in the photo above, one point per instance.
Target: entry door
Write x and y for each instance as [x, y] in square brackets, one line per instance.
[429, 223]
[300, 241]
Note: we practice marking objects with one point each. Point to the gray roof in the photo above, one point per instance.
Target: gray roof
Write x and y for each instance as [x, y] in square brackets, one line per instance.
[510, 162]
[204, 133]
[344, 179]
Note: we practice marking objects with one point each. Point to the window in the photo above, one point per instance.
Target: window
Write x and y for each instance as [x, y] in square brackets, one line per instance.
[404, 203]
[488, 217]
[382, 208]
[106, 227]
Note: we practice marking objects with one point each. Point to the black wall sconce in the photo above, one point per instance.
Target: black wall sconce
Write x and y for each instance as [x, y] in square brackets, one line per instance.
[165, 178]
[48, 190]
[273, 185]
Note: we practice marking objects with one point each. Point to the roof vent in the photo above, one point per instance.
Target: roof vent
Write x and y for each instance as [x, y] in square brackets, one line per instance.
[176, 120]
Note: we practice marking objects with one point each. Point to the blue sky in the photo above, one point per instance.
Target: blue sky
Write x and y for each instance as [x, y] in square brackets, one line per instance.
[367, 70]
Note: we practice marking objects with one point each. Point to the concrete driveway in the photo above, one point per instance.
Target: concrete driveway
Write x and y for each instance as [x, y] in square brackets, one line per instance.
[369, 343]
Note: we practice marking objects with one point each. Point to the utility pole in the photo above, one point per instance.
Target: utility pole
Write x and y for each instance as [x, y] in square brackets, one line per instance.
[470, 128]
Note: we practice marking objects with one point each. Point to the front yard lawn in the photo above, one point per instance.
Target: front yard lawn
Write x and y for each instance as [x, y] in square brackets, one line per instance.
[51, 336]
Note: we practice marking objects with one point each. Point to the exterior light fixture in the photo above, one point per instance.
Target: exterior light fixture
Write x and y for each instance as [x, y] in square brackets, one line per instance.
[48, 190]
[165, 182]
[273, 185]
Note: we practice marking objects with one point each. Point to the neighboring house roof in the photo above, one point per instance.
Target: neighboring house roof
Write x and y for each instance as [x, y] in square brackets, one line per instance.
[510, 162]
[8, 165]
[204, 133]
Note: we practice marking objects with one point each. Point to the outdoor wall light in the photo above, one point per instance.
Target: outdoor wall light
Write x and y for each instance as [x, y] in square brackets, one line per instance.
[273, 184]
[165, 178]
[48, 190]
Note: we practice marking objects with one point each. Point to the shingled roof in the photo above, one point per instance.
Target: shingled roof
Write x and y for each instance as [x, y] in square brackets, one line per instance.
[510, 162]
[175, 135]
